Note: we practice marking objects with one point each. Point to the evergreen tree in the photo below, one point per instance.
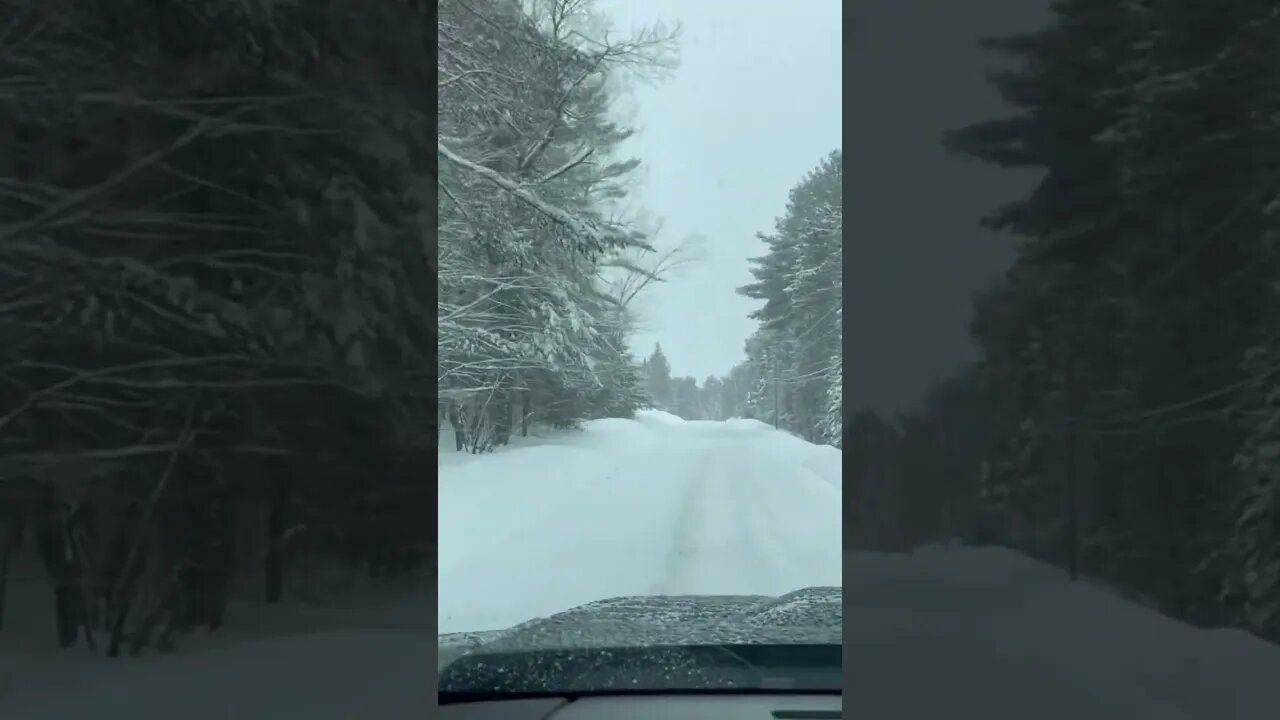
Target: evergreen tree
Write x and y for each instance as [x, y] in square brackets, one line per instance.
[659, 381]
[797, 352]
[685, 402]
[1115, 429]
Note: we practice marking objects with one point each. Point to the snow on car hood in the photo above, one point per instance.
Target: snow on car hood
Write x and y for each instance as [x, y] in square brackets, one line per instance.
[811, 616]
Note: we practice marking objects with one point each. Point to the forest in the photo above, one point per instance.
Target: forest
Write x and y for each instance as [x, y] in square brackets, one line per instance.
[217, 329]
[1121, 418]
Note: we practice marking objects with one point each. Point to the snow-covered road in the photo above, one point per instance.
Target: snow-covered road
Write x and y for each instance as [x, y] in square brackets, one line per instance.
[655, 505]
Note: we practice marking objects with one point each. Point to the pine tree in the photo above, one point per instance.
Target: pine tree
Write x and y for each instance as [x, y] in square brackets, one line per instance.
[659, 379]
[685, 398]
[797, 350]
[1137, 287]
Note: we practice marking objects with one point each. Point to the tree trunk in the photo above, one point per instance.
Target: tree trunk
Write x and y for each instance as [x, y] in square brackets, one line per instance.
[4, 579]
[525, 412]
[276, 519]
[502, 417]
[209, 584]
[51, 543]
[459, 428]
[1069, 467]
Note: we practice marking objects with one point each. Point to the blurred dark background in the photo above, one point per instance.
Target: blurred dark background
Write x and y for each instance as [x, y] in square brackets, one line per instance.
[918, 253]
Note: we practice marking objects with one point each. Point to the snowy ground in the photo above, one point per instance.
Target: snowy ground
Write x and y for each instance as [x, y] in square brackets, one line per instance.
[362, 654]
[655, 505]
[988, 633]
[658, 505]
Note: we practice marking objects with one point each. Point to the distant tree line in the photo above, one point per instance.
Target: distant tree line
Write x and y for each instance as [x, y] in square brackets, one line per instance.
[792, 376]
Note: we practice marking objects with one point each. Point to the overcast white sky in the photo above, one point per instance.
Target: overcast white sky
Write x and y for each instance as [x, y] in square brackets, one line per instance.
[754, 106]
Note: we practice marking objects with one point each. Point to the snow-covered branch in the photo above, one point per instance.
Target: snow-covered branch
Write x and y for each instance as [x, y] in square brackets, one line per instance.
[557, 214]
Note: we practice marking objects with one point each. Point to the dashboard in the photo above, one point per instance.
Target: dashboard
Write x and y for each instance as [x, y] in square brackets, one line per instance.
[763, 706]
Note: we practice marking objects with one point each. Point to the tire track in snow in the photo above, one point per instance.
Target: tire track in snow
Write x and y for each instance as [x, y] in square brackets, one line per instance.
[686, 533]
[727, 536]
[774, 551]
[779, 551]
[762, 555]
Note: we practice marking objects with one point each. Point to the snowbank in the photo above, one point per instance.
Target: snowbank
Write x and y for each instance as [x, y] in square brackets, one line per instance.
[363, 655]
[997, 635]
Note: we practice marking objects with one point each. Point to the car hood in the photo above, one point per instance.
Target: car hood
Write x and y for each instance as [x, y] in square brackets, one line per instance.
[809, 616]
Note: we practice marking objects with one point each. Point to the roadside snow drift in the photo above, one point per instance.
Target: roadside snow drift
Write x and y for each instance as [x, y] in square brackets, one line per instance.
[988, 633]
[651, 506]
[364, 655]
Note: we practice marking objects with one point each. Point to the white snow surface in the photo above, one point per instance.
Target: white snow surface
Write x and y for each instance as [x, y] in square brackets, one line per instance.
[364, 655]
[652, 506]
[949, 631]
[658, 506]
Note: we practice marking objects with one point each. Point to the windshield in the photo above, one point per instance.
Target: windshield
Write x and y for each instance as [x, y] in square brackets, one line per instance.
[640, 350]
